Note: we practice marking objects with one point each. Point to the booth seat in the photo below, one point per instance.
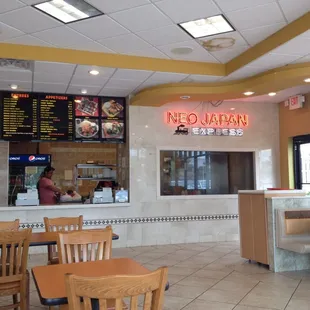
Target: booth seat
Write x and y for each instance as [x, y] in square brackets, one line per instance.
[293, 230]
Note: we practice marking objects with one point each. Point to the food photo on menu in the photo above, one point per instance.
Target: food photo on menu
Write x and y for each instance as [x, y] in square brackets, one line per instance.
[86, 106]
[112, 129]
[112, 109]
[86, 128]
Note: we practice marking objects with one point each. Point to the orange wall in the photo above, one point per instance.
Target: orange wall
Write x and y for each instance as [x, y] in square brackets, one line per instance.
[292, 123]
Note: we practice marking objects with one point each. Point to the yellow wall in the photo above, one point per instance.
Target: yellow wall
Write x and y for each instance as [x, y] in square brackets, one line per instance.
[292, 123]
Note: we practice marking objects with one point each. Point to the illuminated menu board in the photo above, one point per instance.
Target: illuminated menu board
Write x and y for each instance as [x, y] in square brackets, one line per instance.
[55, 118]
[19, 116]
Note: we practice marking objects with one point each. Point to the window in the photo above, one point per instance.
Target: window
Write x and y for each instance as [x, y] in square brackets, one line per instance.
[205, 173]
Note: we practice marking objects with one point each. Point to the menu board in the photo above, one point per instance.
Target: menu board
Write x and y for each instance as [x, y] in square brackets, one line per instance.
[112, 119]
[49, 117]
[19, 116]
[55, 118]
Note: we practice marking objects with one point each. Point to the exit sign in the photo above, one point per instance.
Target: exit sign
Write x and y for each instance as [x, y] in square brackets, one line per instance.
[295, 102]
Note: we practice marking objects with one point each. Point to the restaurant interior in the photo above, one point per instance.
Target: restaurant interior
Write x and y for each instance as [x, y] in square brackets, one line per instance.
[155, 154]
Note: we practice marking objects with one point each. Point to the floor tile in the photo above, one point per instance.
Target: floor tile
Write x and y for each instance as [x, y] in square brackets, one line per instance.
[231, 297]
[175, 303]
[182, 271]
[185, 291]
[233, 286]
[208, 305]
[212, 274]
[239, 307]
[298, 304]
[197, 281]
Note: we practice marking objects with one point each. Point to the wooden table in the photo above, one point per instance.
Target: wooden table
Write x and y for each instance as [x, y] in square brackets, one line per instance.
[50, 238]
[50, 281]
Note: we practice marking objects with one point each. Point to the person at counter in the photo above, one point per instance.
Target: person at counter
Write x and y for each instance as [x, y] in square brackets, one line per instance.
[47, 190]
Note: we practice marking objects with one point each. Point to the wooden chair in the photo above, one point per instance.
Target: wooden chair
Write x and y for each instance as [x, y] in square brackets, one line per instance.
[60, 224]
[14, 277]
[13, 225]
[83, 246]
[151, 285]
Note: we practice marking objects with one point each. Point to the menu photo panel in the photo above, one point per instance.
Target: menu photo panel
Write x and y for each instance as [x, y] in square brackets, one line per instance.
[19, 116]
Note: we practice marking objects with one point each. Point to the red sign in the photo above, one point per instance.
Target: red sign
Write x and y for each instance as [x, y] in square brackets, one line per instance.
[229, 120]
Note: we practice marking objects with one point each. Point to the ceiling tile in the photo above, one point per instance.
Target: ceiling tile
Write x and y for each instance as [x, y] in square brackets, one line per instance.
[88, 81]
[228, 54]
[31, 2]
[76, 90]
[51, 78]
[151, 52]
[302, 59]
[54, 67]
[184, 10]
[167, 77]
[68, 38]
[109, 6]
[28, 20]
[256, 35]
[28, 40]
[234, 5]
[125, 43]
[294, 9]
[104, 72]
[114, 92]
[202, 78]
[239, 40]
[298, 46]
[49, 88]
[99, 27]
[142, 18]
[164, 35]
[258, 16]
[7, 32]
[273, 60]
[136, 75]
[15, 75]
[9, 5]
[22, 85]
[122, 84]
[198, 53]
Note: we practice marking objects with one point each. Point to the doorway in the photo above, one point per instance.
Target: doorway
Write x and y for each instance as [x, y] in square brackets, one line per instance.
[301, 146]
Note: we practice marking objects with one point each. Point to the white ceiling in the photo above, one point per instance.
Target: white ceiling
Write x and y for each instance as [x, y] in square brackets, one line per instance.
[149, 27]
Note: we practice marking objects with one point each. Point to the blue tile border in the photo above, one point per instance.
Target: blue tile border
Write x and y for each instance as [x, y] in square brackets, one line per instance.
[143, 220]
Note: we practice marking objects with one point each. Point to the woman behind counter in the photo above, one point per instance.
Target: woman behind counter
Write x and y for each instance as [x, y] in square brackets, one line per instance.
[46, 188]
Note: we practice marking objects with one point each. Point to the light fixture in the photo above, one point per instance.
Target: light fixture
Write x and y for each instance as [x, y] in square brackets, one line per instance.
[84, 91]
[207, 26]
[77, 101]
[185, 97]
[232, 109]
[13, 86]
[146, 126]
[248, 93]
[93, 72]
[68, 11]
[272, 94]
[307, 80]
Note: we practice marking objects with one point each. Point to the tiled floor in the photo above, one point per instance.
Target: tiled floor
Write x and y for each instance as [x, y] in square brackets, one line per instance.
[212, 276]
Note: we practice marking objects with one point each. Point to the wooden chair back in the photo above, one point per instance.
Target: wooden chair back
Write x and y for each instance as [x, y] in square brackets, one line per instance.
[151, 285]
[60, 224]
[12, 225]
[82, 246]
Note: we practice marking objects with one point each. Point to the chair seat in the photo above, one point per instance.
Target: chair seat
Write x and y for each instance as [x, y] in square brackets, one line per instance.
[110, 305]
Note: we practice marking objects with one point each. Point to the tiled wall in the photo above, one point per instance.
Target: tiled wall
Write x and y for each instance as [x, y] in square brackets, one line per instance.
[4, 156]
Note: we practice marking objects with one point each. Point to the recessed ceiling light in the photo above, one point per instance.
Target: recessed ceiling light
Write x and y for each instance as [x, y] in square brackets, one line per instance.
[93, 72]
[248, 93]
[232, 109]
[207, 26]
[185, 97]
[307, 80]
[77, 101]
[272, 94]
[146, 126]
[84, 91]
[13, 86]
[68, 11]
[182, 50]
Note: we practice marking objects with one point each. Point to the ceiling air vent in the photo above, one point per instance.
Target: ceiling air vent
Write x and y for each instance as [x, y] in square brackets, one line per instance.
[16, 64]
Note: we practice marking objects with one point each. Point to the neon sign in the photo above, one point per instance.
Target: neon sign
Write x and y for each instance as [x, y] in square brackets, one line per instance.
[215, 120]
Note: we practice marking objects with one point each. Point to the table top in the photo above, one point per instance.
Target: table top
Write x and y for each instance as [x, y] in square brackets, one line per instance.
[55, 294]
[50, 238]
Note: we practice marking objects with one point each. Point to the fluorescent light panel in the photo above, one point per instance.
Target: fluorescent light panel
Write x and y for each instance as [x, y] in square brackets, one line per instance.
[68, 11]
[207, 26]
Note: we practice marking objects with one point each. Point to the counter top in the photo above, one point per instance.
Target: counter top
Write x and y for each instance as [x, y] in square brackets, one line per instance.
[65, 206]
[292, 191]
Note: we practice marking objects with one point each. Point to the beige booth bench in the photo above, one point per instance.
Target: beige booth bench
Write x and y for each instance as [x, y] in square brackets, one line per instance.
[293, 230]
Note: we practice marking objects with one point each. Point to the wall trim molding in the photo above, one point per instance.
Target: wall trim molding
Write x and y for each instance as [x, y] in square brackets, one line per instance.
[144, 220]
